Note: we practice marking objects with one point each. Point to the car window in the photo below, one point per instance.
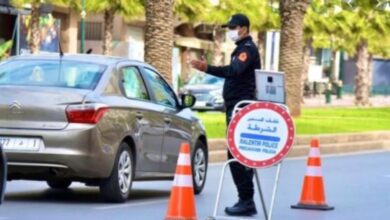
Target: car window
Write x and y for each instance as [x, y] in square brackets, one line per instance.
[133, 84]
[71, 74]
[160, 89]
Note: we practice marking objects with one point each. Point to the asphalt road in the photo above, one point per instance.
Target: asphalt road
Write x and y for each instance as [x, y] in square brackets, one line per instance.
[358, 186]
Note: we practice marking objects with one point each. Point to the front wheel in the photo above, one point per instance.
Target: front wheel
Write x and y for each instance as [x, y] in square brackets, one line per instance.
[199, 166]
[116, 188]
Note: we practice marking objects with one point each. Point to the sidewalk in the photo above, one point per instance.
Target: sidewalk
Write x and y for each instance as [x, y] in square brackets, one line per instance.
[346, 101]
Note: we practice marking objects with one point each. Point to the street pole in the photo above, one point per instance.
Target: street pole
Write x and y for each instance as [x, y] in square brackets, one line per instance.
[18, 34]
[82, 27]
[341, 76]
[328, 91]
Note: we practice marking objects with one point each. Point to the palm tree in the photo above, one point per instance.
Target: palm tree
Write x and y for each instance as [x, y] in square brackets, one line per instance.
[4, 49]
[217, 15]
[190, 11]
[263, 17]
[159, 36]
[325, 26]
[128, 9]
[368, 26]
[34, 32]
[291, 49]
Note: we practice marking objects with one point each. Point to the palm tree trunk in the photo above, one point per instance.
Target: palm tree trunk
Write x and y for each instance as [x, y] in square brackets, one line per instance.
[361, 80]
[108, 30]
[159, 36]
[218, 41]
[261, 36]
[291, 50]
[34, 40]
[306, 65]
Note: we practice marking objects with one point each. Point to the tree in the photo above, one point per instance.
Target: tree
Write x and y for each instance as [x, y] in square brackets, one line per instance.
[34, 31]
[33, 39]
[190, 11]
[217, 15]
[262, 16]
[159, 36]
[188, 14]
[368, 25]
[4, 49]
[291, 49]
[325, 26]
[126, 8]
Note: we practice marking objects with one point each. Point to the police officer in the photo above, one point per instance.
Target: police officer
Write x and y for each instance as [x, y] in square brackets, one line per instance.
[239, 85]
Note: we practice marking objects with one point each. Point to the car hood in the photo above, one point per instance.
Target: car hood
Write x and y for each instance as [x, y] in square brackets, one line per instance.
[202, 88]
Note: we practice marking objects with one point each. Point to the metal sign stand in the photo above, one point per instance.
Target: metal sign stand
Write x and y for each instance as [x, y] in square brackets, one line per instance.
[267, 213]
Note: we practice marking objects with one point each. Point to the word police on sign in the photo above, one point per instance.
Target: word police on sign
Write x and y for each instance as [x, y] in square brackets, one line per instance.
[261, 134]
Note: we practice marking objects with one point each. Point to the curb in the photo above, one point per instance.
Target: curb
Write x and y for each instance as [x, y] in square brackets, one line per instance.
[329, 144]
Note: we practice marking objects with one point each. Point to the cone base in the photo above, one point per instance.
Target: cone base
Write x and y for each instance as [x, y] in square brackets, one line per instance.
[179, 218]
[312, 207]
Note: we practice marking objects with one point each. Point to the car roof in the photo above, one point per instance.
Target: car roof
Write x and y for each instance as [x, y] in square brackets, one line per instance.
[90, 58]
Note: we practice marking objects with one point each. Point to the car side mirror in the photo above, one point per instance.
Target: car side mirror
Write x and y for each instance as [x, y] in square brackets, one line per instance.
[187, 100]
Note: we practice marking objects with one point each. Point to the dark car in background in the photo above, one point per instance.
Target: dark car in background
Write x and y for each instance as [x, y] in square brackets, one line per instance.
[105, 121]
[208, 91]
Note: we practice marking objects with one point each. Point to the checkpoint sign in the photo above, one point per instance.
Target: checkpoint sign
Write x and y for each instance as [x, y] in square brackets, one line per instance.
[261, 134]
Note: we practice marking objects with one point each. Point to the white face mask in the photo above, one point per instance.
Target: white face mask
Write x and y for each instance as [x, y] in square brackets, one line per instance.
[233, 35]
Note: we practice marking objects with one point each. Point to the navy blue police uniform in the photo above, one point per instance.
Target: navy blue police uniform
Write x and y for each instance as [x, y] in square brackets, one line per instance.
[239, 85]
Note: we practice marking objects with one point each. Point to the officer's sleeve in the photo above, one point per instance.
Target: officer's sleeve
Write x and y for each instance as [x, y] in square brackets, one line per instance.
[237, 67]
[218, 70]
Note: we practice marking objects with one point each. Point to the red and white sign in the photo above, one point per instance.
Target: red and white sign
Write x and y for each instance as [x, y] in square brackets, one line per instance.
[261, 134]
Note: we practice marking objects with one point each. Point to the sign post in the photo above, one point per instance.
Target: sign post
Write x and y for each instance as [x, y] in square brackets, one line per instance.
[259, 135]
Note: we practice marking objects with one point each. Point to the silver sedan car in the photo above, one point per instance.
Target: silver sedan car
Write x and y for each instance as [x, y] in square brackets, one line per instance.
[104, 121]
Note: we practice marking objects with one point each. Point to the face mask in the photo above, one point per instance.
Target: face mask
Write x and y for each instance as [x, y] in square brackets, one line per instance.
[233, 35]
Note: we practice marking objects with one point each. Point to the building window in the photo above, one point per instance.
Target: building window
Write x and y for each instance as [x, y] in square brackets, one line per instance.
[93, 31]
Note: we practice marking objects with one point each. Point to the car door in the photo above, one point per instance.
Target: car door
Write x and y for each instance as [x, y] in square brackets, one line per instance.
[177, 130]
[151, 129]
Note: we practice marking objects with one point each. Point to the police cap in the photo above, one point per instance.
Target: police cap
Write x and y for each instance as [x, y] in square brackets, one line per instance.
[237, 20]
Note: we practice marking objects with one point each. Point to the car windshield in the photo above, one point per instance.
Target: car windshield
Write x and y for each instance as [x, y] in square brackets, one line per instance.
[51, 73]
[205, 79]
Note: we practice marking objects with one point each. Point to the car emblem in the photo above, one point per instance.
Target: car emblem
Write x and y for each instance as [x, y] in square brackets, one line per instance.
[15, 108]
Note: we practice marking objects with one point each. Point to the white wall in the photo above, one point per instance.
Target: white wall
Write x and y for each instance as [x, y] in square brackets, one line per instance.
[135, 43]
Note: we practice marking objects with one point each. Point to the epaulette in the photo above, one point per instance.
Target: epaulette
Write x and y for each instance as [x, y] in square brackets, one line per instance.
[248, 44]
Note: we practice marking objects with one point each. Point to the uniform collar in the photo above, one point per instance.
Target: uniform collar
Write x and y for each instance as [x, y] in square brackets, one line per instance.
[244, 40]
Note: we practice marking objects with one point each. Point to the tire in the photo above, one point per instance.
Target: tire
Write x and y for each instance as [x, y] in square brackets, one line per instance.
[199, 160]
[59, 183]
[116, 188]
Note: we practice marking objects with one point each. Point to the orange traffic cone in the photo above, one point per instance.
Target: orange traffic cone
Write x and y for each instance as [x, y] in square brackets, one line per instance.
[182, 202]
[313, 196]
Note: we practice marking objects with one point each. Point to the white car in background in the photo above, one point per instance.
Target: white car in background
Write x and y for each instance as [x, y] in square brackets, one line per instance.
[208, 92]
